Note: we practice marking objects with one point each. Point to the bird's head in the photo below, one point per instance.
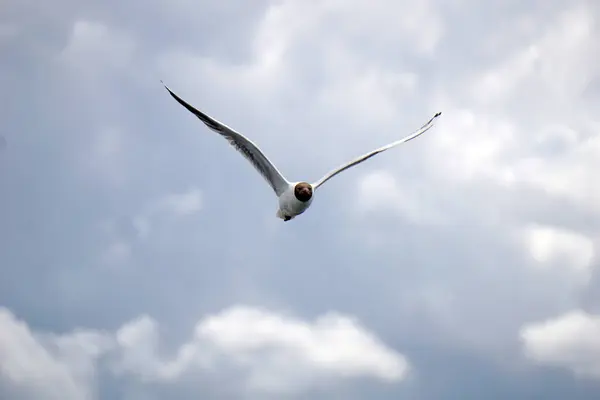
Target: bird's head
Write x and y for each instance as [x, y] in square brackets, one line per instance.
[303, 191]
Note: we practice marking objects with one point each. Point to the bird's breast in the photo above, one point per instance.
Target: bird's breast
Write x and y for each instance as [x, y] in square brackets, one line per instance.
[290, 205]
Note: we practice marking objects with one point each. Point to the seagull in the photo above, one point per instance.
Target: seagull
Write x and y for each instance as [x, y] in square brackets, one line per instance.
[294, 197]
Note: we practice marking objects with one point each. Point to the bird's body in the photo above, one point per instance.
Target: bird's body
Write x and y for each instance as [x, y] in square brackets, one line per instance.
[294, 197]
[292, 204]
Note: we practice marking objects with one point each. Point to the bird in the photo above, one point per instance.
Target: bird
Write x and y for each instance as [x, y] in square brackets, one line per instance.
[294, 198]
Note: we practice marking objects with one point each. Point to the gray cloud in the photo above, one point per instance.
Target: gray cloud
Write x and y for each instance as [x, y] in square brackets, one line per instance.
[116, 203]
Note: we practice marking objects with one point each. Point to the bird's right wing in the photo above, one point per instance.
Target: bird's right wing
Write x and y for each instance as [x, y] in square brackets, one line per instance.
[242, 144]
[365, 157]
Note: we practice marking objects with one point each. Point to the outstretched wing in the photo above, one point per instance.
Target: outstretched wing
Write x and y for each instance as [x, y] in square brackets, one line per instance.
[242, 144]
[365, 157]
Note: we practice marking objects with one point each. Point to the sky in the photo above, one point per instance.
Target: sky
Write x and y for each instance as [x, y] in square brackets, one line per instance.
[140, 254]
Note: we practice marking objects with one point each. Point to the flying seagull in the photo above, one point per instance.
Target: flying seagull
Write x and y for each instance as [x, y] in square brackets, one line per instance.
[294, 197]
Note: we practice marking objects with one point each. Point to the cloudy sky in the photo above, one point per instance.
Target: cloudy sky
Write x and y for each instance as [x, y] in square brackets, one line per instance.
[141, 257]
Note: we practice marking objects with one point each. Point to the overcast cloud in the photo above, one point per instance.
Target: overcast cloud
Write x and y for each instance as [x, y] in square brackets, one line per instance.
[141, 257]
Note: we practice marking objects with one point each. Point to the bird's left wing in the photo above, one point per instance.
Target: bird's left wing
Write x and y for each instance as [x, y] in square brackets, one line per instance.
[242, 144]
[365, 157]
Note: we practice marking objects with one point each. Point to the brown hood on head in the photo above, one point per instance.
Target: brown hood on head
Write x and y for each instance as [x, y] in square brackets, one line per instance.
[303, 191]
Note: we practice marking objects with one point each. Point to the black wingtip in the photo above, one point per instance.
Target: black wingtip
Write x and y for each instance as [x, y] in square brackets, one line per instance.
[437, 115]
[170, 92]
[166, 87]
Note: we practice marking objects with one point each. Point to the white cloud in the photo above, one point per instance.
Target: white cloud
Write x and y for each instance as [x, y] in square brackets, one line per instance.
[556, 247]
[555, 63]
[138, 341]
[47, 367]
[469, 144]
[526, 120]
[168, 207]
[569, 175]
[295, 351]
[380, 192]
[570, 341]
[162, 211]
[328, 30]
[94, 48]
[368, 93]
[522, 123]
[183, 204]
[274, 352]
[277, 353]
